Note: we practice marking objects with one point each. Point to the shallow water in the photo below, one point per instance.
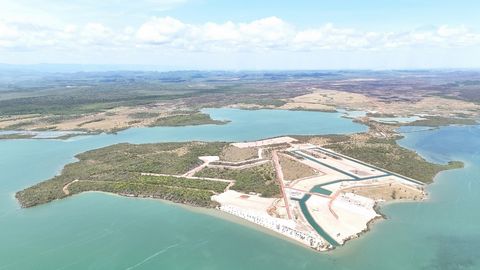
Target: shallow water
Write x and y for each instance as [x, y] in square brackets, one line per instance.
[98, 231]
[397, 119]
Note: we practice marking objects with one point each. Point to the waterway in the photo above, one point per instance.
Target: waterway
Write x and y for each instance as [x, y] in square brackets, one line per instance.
[99, 231]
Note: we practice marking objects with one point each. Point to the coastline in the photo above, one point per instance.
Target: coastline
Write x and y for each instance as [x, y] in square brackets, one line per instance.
[217, 213]
[252, 224]
[381, 216]
[214, 212]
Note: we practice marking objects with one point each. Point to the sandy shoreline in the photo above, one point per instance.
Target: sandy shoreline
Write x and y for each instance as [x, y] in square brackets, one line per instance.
[253, 208]
[240, 221]
[201, 210]
[353, 222]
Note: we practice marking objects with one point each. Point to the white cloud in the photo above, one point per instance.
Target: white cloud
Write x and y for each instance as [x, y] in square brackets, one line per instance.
[161, 30]
[273, 33]
[271, 30]
[19, 36]
[266, 34]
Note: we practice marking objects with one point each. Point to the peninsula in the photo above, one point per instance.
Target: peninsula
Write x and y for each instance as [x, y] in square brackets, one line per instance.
[320, 191]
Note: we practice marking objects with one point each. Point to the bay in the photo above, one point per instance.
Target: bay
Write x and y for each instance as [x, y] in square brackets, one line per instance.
[99, 231]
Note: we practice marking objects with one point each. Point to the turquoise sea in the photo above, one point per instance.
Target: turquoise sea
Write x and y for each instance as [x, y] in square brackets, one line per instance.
[100, 231]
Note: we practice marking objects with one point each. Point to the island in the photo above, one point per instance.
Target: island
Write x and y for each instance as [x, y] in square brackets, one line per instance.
[319, 191]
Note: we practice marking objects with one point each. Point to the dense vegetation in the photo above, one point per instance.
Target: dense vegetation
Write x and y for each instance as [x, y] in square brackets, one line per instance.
[89, 92]
[118, 169]
[387, 154]
[197, 197]
[258, 179]
[15, 136]
[186, 120]
[436, 121]
[216, 186]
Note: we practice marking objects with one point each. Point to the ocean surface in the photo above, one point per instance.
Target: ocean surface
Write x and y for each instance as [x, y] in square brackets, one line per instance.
[100, 231]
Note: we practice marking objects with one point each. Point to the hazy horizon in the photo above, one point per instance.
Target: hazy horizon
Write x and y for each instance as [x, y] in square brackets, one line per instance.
[75, 67]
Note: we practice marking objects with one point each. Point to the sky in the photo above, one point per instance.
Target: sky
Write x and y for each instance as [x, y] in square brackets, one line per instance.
[243, 35]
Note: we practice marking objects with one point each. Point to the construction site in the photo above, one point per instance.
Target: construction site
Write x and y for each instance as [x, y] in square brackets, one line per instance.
[326, 198]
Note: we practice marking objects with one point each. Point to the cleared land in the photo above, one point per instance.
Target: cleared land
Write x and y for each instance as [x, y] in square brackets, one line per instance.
[387, 192]
[379, 147]
[266, 142]
[446, 108]
[111, 120]
[328, 201]
[388, 155]
[235, 154]
[293, 169]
